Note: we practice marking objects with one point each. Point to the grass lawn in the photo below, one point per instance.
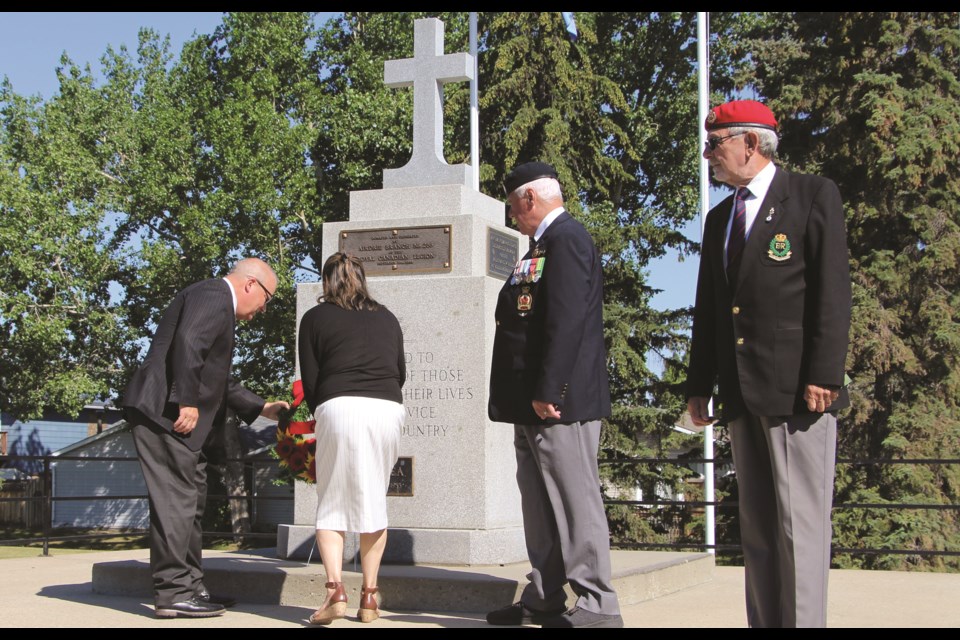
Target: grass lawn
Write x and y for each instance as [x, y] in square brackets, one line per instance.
[113, 540]
[104, 541]
[29, 552]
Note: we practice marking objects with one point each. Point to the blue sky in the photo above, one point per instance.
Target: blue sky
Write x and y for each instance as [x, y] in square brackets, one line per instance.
[31, 44]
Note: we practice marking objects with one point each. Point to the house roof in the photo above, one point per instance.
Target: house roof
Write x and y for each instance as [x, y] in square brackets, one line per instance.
[259, 436]
[256, 438]
[109, 432]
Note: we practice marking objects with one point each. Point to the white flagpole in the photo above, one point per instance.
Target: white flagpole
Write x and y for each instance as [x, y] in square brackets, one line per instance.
[474, 106]
[703, 107]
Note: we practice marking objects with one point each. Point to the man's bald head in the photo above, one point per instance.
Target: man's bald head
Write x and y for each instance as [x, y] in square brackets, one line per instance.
[254, 267]
[254, 283]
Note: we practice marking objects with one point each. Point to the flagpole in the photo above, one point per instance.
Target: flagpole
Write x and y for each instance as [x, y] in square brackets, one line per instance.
[474, 106]
[703, 82]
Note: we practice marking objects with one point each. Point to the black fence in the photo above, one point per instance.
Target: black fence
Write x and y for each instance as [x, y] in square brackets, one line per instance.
[675, 516]
[26, 503]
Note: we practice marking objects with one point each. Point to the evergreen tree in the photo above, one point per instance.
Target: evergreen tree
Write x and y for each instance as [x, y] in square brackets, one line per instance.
[646, 200]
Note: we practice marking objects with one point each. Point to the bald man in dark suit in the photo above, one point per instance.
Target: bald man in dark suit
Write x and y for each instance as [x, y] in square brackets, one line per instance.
[770, 326]
[174, 401]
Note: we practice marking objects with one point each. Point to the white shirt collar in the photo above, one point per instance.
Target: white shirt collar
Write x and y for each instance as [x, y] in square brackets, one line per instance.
[546, 222]
[761, 182]
[233, 294]
[758, 191]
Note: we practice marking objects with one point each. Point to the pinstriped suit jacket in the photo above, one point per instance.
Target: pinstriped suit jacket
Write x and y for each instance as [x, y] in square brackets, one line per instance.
[189, 364]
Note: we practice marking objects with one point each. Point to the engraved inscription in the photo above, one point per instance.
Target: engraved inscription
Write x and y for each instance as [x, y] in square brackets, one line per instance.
[503, 251]
[400, 250]
[429, 386]
[401, 478]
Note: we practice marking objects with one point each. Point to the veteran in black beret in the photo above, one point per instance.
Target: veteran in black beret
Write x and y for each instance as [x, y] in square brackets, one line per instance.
[770, 328]
[549, 379]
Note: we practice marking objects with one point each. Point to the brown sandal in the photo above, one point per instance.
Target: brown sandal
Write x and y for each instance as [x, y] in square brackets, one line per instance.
[368, 611]
[336, 605]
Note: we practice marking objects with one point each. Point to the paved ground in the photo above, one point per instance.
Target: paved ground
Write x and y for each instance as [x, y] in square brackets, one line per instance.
[55, 591]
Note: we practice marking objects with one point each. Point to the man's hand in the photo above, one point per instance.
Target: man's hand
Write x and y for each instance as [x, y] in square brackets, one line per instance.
[697, 408]
[272, 410]
[187, 421]
[546, 410]
[819, 398]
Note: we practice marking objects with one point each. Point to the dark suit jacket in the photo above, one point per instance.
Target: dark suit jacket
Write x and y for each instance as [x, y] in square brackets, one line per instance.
[785, 322]
[189, 364]
[555, 353]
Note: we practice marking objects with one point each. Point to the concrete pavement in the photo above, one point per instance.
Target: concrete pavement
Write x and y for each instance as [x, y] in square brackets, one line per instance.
[56, 591]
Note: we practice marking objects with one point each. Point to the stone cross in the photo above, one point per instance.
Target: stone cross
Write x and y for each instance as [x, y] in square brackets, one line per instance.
[427, 71]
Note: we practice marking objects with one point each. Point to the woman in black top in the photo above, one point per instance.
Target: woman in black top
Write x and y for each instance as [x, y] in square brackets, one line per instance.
[352, 368]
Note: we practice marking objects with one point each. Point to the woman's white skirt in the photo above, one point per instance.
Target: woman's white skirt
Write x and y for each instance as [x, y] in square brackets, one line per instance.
[358, 443]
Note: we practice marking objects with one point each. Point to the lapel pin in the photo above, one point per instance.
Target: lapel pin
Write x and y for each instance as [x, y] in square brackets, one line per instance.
[769, 215]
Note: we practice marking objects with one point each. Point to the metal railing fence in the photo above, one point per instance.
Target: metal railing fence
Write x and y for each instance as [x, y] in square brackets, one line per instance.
[41, 501]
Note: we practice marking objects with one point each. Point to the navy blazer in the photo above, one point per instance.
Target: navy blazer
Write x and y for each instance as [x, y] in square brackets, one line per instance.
[549, 336]
[189, 364]
[785, 322]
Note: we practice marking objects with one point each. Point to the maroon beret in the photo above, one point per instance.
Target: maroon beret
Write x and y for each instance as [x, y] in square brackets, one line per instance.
[740, 113]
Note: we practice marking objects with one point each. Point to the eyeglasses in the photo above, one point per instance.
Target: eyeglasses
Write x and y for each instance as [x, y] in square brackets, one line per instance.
[713, 143]
[265, 292]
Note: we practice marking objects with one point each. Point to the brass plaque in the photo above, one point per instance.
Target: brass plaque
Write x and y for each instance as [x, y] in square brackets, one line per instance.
[503, 251]
[401, 478]
[400, 250]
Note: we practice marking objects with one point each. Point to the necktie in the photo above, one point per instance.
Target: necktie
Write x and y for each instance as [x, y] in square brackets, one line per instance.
[738, 229]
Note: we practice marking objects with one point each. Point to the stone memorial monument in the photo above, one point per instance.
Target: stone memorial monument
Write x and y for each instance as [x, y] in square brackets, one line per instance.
[436, 253]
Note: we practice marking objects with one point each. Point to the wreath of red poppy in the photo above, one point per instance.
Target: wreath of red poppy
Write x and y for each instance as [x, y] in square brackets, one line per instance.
[296, 446]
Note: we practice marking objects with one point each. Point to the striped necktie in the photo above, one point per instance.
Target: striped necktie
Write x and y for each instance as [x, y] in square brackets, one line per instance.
[738, 228]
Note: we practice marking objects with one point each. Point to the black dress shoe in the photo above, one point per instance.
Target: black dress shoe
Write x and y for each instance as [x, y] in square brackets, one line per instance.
[192, 608]
[206, 596]
[577, 618]
[519, 613]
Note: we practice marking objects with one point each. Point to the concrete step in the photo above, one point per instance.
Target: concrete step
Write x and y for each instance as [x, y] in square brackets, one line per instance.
[260, 577]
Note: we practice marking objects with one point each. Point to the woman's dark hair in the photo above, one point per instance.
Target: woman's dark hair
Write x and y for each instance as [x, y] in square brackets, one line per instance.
[345, 284]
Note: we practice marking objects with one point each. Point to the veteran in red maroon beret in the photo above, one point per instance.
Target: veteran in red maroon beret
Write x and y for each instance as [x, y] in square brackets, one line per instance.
[770, 328]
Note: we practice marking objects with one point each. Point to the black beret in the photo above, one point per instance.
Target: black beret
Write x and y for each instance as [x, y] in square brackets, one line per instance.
[527, 172]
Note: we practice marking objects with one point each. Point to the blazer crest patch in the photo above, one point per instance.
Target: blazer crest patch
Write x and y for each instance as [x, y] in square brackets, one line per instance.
[779, 248]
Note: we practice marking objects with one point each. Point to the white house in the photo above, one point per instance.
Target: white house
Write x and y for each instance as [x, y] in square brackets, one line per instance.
[84, 478]
[78, 480]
